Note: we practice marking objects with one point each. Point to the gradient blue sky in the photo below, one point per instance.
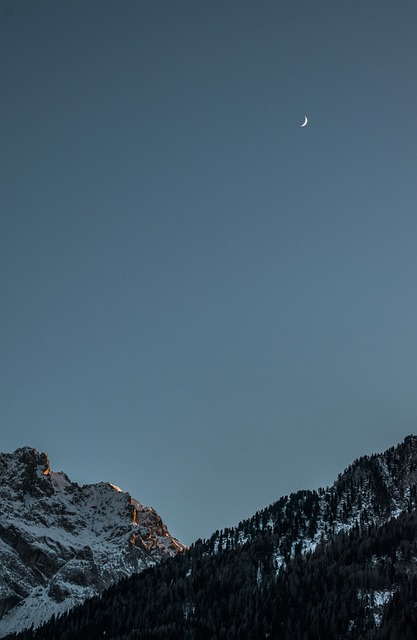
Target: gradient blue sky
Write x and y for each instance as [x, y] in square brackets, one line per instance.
[202, 302]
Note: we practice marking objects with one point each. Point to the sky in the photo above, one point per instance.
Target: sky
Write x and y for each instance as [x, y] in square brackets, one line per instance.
[203, 302]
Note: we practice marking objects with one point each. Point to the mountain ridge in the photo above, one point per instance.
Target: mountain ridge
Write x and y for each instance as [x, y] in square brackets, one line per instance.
[337, 562]
[371, 489]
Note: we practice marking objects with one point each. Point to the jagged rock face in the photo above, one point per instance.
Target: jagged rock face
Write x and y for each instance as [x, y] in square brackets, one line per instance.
[61, 543]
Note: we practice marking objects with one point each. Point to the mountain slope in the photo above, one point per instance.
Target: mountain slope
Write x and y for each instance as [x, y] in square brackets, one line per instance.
[61, 542]
[337, 563]
[370, 491]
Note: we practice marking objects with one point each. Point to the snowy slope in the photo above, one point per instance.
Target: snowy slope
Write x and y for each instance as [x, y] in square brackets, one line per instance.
[61, 542]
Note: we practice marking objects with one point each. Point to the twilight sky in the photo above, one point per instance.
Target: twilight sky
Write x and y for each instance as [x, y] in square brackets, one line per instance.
[202, 302]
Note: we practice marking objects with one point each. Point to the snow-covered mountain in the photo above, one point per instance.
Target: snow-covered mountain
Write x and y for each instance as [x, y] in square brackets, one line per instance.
[61, 543]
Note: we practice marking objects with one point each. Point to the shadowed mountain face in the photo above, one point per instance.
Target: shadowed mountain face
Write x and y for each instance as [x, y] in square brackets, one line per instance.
[61, 543]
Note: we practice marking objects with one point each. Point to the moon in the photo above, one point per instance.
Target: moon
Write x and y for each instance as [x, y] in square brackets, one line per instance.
[305, 122]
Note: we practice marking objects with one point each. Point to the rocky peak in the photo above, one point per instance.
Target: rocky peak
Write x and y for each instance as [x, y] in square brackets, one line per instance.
[27, 471]
[61, 542]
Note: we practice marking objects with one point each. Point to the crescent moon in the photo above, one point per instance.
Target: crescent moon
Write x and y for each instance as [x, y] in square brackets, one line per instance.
[305, 122]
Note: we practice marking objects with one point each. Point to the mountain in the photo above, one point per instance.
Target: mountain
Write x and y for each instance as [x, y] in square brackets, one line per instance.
[61, 543]
[335, 563]
[370, 491]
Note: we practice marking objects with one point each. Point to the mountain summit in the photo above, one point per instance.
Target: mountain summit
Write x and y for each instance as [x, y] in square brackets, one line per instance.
[61, 543]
